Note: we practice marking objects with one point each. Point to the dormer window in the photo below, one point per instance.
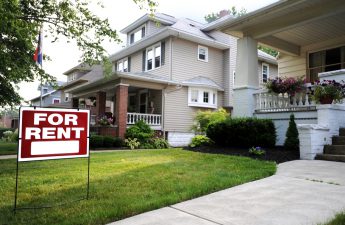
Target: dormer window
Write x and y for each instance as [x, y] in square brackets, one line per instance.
[122, 65]
[72, 77]
[137, 34]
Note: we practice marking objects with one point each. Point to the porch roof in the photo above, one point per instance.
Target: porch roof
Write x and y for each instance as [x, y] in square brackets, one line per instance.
[201, 81]
[288, 25]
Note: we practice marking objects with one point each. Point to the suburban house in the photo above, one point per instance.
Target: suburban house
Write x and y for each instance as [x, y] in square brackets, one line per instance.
[310, 37]
[169, 69]
[51, 96]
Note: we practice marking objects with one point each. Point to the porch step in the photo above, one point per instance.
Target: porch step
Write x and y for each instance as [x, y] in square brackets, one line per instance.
[342, 132]
[338, 140]
[328, 157]
[334, 149]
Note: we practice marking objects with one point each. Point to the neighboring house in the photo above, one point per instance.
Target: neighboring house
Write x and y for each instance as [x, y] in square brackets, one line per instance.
[164, 75]
[51, 97]
[310, 37]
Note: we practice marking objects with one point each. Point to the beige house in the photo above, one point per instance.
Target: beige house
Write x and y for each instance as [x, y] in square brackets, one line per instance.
[164, 75]
[310, 37]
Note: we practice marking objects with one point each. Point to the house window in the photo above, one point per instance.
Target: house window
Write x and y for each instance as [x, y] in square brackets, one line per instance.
[72, 77]
[56, 100]
[202, 53]
[122, 65]
[44, 90]
[202, 97]
[66, 97]
[137, 35]
[325, 61]
[153, 57]
[265, 72]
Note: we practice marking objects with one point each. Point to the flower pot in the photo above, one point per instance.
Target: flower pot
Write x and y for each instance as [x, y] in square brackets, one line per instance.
[326, 100]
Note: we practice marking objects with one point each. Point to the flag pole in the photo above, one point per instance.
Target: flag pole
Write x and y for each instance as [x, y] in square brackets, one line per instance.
[40, 61]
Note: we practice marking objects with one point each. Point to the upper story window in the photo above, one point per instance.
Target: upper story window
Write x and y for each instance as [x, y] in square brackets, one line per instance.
[122, 65]
[202, 97]
[325, 61]
[265, 72]
[153, 57]
[137, 34]
[72, 77]
[202, 53]
[44, 90]
[67, 97]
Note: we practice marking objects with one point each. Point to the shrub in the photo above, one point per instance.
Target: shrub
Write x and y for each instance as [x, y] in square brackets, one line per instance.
[132, 143]
[141, 131]
[292, 141]
[118, 142]
[243, 132]
[204, 118]
[159, 143]
[7, 136]
[146, 146]
[257, 151]
[108, 142]
[3, 129]
[200, 140]
[96, 141]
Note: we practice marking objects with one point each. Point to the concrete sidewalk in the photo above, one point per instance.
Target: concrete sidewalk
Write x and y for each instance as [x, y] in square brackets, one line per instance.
[302, 192]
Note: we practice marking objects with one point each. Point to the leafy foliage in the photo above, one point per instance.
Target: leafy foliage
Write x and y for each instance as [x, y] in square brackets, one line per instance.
[200, 140]
[268, 50]
[243, 132]
[232, 11]
[141, 131]
[19, 27]
[10, 136]
[159, 143]
[258, 151]
[292, 141]
[288, 85]
[3, 130]
[329, 89]
[204, 118]
[98, 141]
[132, 143]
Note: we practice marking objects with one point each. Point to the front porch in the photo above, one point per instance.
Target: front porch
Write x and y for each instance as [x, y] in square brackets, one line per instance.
[113, 110]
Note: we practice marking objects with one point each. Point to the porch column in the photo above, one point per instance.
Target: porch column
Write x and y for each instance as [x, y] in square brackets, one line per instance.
[75, 103]
[247, 77]
[121, 94]
[100, 103]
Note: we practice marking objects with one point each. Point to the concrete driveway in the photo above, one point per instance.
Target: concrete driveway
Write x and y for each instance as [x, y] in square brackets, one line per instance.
[302, 192]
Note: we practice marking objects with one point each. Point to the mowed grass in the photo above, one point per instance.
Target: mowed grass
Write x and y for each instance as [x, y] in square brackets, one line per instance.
[122, 184]
[8, 148]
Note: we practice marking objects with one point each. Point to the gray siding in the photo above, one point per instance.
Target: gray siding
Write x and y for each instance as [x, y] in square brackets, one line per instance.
[152, 27]
[273, 71]
[47, 100]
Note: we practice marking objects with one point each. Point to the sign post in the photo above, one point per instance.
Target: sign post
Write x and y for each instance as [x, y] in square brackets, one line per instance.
[52, 133]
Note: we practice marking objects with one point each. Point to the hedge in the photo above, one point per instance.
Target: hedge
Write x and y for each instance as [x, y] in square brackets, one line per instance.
[98, 141]
[243, 132]
[3, 129]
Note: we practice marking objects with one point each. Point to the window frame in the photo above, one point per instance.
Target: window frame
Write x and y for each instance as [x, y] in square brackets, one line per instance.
[134, 32]
[212, 97]
[123, 65]
[206, 53]
[67, 96]
[153, 49]
[262, 72]
[56, 99]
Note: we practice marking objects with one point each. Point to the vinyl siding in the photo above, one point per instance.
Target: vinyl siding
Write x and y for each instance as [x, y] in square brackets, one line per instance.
[185, 63]
[178, 115]
[273, 71]
[152, 27]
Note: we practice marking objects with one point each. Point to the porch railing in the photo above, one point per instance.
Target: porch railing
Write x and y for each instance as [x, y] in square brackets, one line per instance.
[270, 102]
[150, 119]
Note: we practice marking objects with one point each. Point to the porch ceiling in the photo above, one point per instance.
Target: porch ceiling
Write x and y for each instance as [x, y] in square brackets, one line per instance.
[290, 25]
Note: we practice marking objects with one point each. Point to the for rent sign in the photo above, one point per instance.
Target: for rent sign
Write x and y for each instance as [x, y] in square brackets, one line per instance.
[48, 133]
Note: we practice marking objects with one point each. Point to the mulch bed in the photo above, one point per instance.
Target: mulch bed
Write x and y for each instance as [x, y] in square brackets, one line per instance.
[277, 154]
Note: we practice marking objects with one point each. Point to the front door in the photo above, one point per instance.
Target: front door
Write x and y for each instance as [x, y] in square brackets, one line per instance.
[143, 102]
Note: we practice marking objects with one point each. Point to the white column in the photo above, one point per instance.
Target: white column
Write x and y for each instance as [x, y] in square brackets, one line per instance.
[247, 78]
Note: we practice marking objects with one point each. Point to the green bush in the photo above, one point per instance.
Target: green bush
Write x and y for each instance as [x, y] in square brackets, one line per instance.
[7, 136]
[3, 129]
[146, 146]
[204, 118]
[200, 140]
[96, 141]
[243, 132]
[159, 143]
[108, 142]
[118, 142]
[292, 142]
[141, 131]
[132, 143]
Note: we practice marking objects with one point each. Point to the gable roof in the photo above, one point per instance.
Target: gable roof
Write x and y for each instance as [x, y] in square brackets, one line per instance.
[159, 17]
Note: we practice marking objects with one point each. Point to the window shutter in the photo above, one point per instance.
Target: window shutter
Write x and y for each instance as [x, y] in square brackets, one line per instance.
[163, 52]
[143, 32]
[129, 64]
[144, 59]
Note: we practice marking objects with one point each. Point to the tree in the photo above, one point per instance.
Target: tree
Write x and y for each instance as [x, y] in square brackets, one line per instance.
[20, 24]
[233, 11]
[292, 141]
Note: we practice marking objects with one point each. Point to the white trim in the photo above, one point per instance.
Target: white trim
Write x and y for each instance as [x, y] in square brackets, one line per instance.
[56, 99]
[262, 72]
[206, 53]
[233, 78]
[145, 91]
[67, 96]
[123, 60]
[200, 102]
[153, 48]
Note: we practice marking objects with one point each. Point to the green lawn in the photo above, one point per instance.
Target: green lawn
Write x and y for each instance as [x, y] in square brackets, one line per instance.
[338, 220]
[123, 184]
[7, 148]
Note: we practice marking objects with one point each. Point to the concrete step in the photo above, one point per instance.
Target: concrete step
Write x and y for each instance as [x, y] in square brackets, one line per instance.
[334, 149]
[338, 140]
[342, 132]
[337, 158]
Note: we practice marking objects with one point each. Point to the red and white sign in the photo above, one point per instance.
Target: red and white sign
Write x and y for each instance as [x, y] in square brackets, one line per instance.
[50, 133]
